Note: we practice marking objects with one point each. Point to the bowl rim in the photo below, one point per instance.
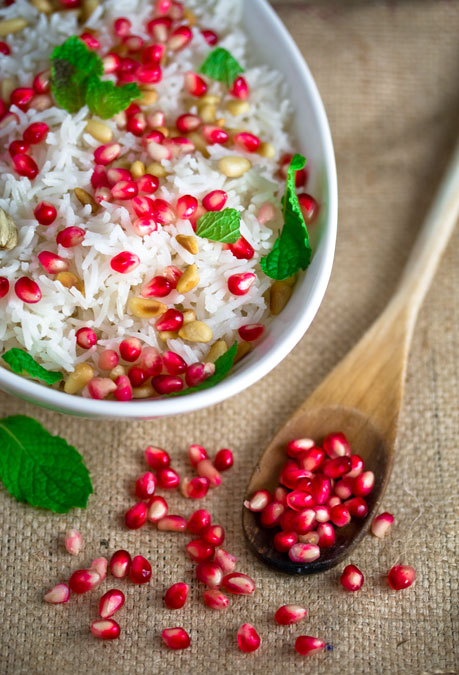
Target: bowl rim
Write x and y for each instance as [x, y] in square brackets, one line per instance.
[238, 381]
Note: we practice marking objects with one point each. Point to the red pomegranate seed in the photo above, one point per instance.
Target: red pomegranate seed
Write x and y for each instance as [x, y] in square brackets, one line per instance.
[144, 226]
[116, 175]
[382, 524]
[145, 485]
[176, 638]
[137, 123]
[298, 445]
[168, 479]
[105, 154]
[358, 508]
[251, 331]
[343, 488]
[136, 516]
[215, 599]
[336, 445]
[157, 509]
[271, 514]
[134, 43]
[312, 459]
[167, 384]
[52, 263]
[187, 122]
[240, 88]
[301, 176]
[298, 500]
[133, 108]
[340, 515]
[125, 262]
[120, 564]
[209, 36]
[215, 200]
[186, 207]
[108, 359]
[322, 513]
[99, 177]
[137, 376]
[326, 534]
[157, 151]
[153, 54]
[176, 596]
[83, 581]
[309, 538]
[241, 249]
[206, 469]
[194, 84]
[70, 236]
[287, 615]
[158, 287]
[105, 629]
[363, 484]
[122, 26]
[195, 488]
[240, 284]
[180, 38]
[111, 602]
[27, 290]
[111, 63]
[214, 134]
[130, 349]
[159, 28]
[335, 468]
[213, 535]
[305, 521]
[73, 542]
[198, 372]
[58, 594]
[258, 501]
[291, 474]
[199, 551]
[401, 576]
[283, 541]
[177, 10]
[157, 458]
[21, 97]
[90, 41]
[162, 7]
[309, 208]
[151, 362]
[86, 338]
[238, 584]
[210, 574]
[164, 213]
[149, 73]
[4, 48]
[18, 148]
[140, 570]
[172, 523]
[305, 644]
[179, 145]
[224, 460]
[280, 494]
[35, 133]
[357, 466]
[333, 501]
[100, 387]
[320, 489]
[248, 638]
[147, 183]
[144, 207]
[173, 363]
[352, 578]
[100, 565]
[25, 166]
[196, 454]
[246, 141]
[125, 189]
[198, 521]
[226, 560]
[4, 286]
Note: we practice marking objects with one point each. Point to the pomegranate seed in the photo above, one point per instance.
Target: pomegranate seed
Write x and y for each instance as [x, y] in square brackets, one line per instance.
[86, 338]
[100, 387]
[196, 454]
[335, 468]
[301, 176]
[111, 63]
[176, 596]
[178, 146]
[144, 207]
[140, 570]
[4, 286]
[213, 535]
[158, 287]
[133, 108]
[298, 500]
[311, 459]
[153, 54]
[187, 122]
[287, 615]
[226, 560]
[195, 488]
[223, 460]
[357, 466]
[120, 564]
[339, 515]
[280, 494]
[320, 489]
[352, 578]
[248, 638]
[147, 183]
[73, 542]
[35, 133]
[45, 213]
[149, 73]
[99, 177]
[103, 194]
[271, 514]
[110, 603]
[116, 175]
[175, 638]
[283, 541]
[382, 524]
[151, 362]
[343, 488]
[333, 501]
[309, 538]
[309, 208]
[100, 565]
[206, 469]
[214, 134]
[241, 249]
[326, 534]
[167, 384]
[4, 48]
[198, 372]
[251, 331]
[358, 508]
[58, 594]
[164, 213]
[298, 445]
[322, 513]
[145, 485]
[209, 36]
[186, 207]
[70, 236]
[363, 484]
[180, 38]
[122, 26]
[90, 41]
[125, 189]
[159, 28]
[157, 509]
[210, 574]
[194, 84]
[240, 284]
[162, 7]
[27, 290]
[305, 644]
[21, 97]
[199, 551]
[172, 524]
[246, 141]
[134, 43]
[305, 521]
[137, 376]
[177, 10]
[18, 148]
[258, 501]
[136, 516]
[401, 576]
[130, 349]
[157, 458]
[215, 599]
[83, 581]
[144, 226]
[173, 363]
[238, 584]
[25, 166]
[108, 359]
[105, 629]
[291, 474]
[105, 154]
[240, 88]
[124, 262]
[336, 445]
[52, 263]
[198, 521]
[168, 479]
[137, 123]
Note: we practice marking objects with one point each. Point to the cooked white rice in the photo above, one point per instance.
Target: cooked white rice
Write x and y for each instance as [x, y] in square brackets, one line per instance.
[47, 329]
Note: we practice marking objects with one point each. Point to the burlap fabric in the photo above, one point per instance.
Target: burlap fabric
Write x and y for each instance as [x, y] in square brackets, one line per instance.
[389, 75]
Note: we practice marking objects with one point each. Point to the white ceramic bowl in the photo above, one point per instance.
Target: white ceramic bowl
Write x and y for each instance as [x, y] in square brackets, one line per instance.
[272, 44]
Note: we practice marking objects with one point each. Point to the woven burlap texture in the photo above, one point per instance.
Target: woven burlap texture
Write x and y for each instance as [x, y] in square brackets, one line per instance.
[388, 74]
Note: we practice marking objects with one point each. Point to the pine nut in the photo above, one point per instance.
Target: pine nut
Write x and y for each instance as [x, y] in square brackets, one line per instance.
[266, 150]
[166, 335]
[218, 349]
[220, 122]
[149, 97]
[157, 169]
[207, 113]
[188, 242]
[238, 107]
[188, 280]
[80, 377]
[137, 169]
[198, 142]
[189, 16]
[279, 295]
[234, 166]
[9, 26]
[189, 315]
[145, 391]
[117, 371]
[42, 6]
[164, 131]
[196, 331]
[100, 131]
[243, 348]
[7, 86]
[88, 7]
[146, 308]
[213, 99]
[85, 198]
[70, 280]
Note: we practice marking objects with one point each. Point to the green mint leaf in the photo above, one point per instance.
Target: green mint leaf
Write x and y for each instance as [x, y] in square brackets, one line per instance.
[19, 360]
[220, 226]
[222, 367]
[222, 66]
[105, 99]
[41, 469]
[75, 52]
[291, 251]
[71, 64]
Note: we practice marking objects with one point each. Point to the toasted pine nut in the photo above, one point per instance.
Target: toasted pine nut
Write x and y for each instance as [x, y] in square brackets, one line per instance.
[80, 377]
[218, 349]
[85, 198]
[266, 150]
[220, 122]
[234, 166]
[188, 280]
[196, 331]
[198, 142]
[243, 348]
[70, 280]
[157, 169]
[146, 308]
[238, 107]
[9, 26]
[117, 371]
[188, 242]
[145, 391]
[149, 97]
[279, 295]
[100, 131]
[42, 6]
[88, 7]
[189, 315]
[166, 335]
[207, 113]
[137, 169]
[164, 130]
[7, 86]
[189, 16]
[210, 98]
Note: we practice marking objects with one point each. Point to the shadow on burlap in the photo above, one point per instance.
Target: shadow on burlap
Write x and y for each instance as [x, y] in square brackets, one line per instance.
[389, 75]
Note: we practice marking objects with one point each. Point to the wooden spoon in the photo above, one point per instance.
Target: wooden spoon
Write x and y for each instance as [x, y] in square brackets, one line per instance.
[362, 396]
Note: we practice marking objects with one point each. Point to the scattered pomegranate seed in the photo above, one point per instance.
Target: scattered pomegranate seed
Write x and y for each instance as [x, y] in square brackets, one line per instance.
[343, 488]
[199, 551]
[35, 133]
[187, 122]
[21, 97]
[116, 175]
[110, 603]
[176, 596]
[194, 84]
[186, 207]
[83, 581]
[151, 362]
[213, 535]
[164, 213]
[248, 638]
[326, 534]
[105, 154]
[140, 570]
[52, 263]
[225, 560]
[240, 284]
[136, 516]
[70, 236]
[320, 489]
[90, 41]
[99, 177]
[157, 509]
[176, 638]
[289, 614]
[196, 454]
[241, 249]
[309, 208]
[125, 189]
[298, 500]
[352, 578]
[159, 28]
[336, 445]
[4, 286]
[238, 584]
[266, 213]
[172, 523]
[73, 542]
[27, 290]
[215, 599]
[145, 485]
[168, 479]
[246, 141]
[137, 123]
[100, 565]
[120, 564]
[149, 73]
[111, 63]
[357, 466]
[258, 501]
[280, 494]
[180, 38]
[124, 262]
[298, 445]
[358, 508]
[147, 183]
[215, 200]
[223, 460]
[4, 48]
[86, 338]
[158, 287]
[163, 7]
[382, 524]
[209, 36]
[214, 134]
[134, 43]
[283, 541]
[251, 331]
[137, 376]
[25, 166]
[157, 458]
[108, 359]
[130, 349]
[206, 469]
[322, 513]
[335, 468]
[198, 372]
[198, 521]
[105, 629]
[240, 88]
[340, 515]
[122, 26]
[195, 488]
[18, 148]
[304, 553]
[100, 387]
[401, 576]
[305, 644]
[58, 594]
[153, 54]
[144, 226]
[363, 484]
[173, 363]
[210, 574]
[311, 459]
